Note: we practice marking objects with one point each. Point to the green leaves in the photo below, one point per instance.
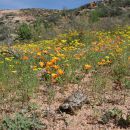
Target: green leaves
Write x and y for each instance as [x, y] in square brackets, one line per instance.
[21, 122]
[24, 32]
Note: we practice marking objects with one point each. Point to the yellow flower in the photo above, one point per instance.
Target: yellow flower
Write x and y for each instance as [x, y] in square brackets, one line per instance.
[87, 67]
[39, 53]
[8, 59]
[107, 57]
[41, 64]
[119, 50]
[61, 55]
[63, 41]
[34, 68]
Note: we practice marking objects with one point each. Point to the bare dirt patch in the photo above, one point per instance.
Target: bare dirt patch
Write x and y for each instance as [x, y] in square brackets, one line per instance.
[49, 98]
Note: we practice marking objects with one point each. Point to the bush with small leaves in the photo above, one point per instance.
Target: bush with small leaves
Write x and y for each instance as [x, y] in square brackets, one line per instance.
[24, 32]
[21, 122]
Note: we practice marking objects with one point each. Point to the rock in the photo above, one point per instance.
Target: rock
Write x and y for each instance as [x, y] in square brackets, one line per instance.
[10, 53]
[73, 103]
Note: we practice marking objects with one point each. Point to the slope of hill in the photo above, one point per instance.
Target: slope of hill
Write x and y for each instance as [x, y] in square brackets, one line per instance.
[78, 80]
[53, 22]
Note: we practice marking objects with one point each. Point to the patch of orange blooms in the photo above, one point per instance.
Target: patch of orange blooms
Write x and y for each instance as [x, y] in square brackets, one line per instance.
[87, 67]
[25, 58]
[104, 62]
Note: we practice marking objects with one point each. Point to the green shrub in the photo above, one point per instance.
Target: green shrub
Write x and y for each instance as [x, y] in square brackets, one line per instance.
[127, 2]
[126, 83]
[24, 32]
[94, 16]
[114, 12]
[121, 3]
[114, 113]
[21, 122]
[3, 31]
[104, 11]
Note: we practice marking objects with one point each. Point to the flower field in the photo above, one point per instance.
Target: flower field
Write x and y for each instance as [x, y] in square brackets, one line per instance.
[67, 59]
[68, 52]
[58, 60]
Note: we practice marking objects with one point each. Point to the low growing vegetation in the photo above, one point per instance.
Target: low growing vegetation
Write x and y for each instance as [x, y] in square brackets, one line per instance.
[50, 69]
[63, 60]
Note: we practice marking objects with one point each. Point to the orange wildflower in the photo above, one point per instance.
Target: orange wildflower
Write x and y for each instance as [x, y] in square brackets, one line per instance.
[104, 62]
[87, 67]
[25, 58]
[60, 72]
[49, 63]
[54, 76]
[129, 58]
[55, 59]
[45, 51]
[48, 72]
[101, 63]
[58, 49]
[37, 49]
[55, 66]
[35, 57]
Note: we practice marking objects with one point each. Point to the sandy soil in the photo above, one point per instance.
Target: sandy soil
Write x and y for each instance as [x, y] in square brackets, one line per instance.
[88, 116]
[50, 98]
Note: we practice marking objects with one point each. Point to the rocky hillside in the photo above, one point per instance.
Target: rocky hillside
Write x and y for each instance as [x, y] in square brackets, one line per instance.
[52, 22]
[11, 19]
